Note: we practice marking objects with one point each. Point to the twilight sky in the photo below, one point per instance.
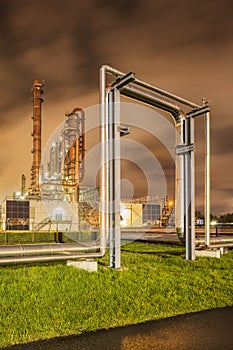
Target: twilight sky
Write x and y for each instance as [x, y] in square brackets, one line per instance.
[185, 47]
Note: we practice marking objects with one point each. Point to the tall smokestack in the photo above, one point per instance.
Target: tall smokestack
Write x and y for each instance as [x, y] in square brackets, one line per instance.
[36, 134]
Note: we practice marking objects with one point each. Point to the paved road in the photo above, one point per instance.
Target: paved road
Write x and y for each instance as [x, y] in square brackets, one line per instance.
[161, 236]
[206, 330]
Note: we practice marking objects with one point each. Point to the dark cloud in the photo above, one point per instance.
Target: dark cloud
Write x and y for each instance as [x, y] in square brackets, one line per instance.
[65, 44]
[136, 176]
[184, 46]
[229, 189]
[223, 140]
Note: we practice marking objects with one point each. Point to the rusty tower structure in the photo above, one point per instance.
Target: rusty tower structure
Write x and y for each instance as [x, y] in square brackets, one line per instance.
[37, 91]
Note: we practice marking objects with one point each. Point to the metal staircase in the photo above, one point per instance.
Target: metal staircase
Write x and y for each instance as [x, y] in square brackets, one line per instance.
[43, 223]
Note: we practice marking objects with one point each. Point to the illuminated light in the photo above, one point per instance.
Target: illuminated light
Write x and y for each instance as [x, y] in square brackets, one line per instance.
[213, 223]
[170, 203]
[123, 223]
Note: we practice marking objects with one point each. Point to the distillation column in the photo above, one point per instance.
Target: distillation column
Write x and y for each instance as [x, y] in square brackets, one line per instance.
[36, 134]
[73, 153]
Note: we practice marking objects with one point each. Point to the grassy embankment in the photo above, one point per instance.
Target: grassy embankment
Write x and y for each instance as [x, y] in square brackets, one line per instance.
[44, 301]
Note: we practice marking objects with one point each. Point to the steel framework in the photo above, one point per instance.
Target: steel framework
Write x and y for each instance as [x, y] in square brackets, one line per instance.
[110, 130]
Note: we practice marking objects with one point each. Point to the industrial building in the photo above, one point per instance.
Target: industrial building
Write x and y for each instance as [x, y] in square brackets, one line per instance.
[56, 199]
[15, 214]
[44, 205]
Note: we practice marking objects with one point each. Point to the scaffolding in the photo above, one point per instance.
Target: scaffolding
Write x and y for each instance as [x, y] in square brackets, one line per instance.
[89, 207]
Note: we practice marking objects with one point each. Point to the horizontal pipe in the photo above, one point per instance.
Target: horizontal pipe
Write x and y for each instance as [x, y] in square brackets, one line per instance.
[46, 258]
[167, 94]
[30, 249]
[115, 72]
[149, 98]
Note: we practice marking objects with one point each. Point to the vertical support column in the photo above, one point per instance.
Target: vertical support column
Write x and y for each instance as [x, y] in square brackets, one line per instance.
[207, 179]
[179, 195]
[106, 171]
[102, 126]
[189, 189]
[192, 188]
[110, 177]
[117, 170]
[114, 178]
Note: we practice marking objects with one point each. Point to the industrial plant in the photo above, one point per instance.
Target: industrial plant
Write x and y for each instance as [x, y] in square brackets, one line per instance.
[56, 201]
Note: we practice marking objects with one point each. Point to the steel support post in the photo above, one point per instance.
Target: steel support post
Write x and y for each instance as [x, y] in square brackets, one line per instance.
[195, 113]
[110, 176]
[106, 172]
[185, 164]
[189, 190]
[179, 186]
[114, 178]
[207, 179]
[102, 126]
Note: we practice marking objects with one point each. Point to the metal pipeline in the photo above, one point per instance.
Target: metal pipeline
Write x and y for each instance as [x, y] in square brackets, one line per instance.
[207, 179]
[103, 179]
[151, 99]
[185, 172]
[179, 117]
[46, 252]
[108, 69]
[46, 258]
[30, 249]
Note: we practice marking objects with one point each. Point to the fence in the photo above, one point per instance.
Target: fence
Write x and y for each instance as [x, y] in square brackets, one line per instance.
[223, 228]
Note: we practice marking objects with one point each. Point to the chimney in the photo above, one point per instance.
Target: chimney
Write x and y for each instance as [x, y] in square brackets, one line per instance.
[36, 135]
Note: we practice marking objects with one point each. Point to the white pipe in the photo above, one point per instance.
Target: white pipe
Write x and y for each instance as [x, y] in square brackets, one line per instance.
[179, 184]
[116, 72]
[31, 249]
[192, 199]
[114, 178]
[102, 125]
[110, 188]
[189, 190]
[179, 117]
[207, 179]
[117, 179]
[149, 98]
[46, 258]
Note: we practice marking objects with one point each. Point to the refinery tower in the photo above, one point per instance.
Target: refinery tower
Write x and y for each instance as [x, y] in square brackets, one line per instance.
[55, 199]
[54, 184]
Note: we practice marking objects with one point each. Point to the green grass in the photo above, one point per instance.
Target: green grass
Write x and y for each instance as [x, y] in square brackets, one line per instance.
[12, 238]
[44, 301]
